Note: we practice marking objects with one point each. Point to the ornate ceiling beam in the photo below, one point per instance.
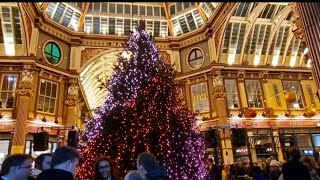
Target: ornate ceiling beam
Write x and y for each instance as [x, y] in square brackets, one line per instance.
[204, 17]
[251, 18]
[83, 16]
[44, 5]
[275, 26]
[165, 6]
[290, 38]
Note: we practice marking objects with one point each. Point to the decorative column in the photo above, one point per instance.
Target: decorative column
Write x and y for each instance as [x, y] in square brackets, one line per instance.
[24, 92]
[34, 42]
[242, 89]
[266, 91]
[75, 55]
[176, 60]
[308, 28]
[220, 96]
[72, 102]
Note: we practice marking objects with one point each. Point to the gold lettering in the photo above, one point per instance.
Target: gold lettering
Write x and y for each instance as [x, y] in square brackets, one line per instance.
[113, 44]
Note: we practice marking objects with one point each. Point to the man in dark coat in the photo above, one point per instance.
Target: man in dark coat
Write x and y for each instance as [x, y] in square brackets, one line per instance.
[294, 169]
[148, 165]
[63, 165]
[16, 167]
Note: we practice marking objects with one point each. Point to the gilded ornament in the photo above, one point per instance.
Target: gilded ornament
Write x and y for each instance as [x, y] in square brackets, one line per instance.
[290, 97]
[310, 112]
[71, 102]
[24, 92]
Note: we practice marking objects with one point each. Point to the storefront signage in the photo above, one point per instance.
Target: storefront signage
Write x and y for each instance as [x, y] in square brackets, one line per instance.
[295, 123]
[6, 127]
[35, 129]
[200, 97]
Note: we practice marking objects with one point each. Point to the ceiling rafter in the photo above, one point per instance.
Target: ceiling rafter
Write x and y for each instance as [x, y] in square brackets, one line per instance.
[290, 38]
[275, 26]
[204, 17]
[165, 6]
[44, 5]
[251, 18]
[83, 16]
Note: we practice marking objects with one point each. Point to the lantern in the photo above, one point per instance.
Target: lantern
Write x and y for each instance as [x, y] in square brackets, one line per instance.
[290, 97]
[250, 113]
[310, 112]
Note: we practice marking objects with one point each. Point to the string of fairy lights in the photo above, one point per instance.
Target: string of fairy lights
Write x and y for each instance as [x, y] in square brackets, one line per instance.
[143, 112]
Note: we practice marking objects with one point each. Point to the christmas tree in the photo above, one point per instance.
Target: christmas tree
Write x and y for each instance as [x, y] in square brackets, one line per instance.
[142, 112]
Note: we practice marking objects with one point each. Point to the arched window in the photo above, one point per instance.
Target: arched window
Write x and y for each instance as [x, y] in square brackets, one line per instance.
[52, 52]
[195, 59]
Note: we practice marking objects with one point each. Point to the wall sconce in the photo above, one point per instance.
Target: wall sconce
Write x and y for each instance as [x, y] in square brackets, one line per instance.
[264, 114]
[287, 114]
[44, 119]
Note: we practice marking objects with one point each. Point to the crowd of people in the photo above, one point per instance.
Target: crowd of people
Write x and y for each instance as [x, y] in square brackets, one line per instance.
[297, 168]
[62, 165]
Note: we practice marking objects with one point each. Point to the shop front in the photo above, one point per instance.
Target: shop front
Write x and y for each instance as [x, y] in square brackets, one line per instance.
[6, 127]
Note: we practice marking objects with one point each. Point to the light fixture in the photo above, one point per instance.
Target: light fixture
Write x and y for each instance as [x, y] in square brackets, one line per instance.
[44, 119]
[309, 63]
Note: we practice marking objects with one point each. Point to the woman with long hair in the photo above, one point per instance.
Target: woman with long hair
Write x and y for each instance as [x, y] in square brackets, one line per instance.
[104, 169]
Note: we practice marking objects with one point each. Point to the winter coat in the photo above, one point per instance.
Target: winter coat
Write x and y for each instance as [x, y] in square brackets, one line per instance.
[260, 176]
[158, 173]
[55, 174]
[295, 170]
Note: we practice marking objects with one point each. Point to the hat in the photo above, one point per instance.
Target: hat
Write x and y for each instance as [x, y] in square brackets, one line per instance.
[274, 163]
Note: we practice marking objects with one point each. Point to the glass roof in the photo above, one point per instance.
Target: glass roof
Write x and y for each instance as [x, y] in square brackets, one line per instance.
[117, 18]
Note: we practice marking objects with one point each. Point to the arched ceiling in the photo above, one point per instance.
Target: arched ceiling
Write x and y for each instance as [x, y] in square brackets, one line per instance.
[100, 68]
[261, 34]
[119, 18]
[12, 36]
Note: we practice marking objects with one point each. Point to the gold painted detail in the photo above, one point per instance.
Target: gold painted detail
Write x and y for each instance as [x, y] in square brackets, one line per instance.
[88, 53]
[200, 97]
[10, 68]
[50, 76]
[53, 31]
[193, 40]
[102, 43]
[165, 57]
[298, 26]
[219, 91]
[162, 46]
[24, 92]
[71, 102]
[219, 94]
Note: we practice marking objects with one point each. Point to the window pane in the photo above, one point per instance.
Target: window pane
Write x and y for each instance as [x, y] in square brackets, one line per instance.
[4, 149]
[200, 98]
[232, 94]
[46, 104]
[56, 51]
[52, 52]
[40, 103]
[43, 88]
[7, 91]
[48, 89]
[196, 59]
[254, 93]
[52, 105]
[294, 86]
[54, 90]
